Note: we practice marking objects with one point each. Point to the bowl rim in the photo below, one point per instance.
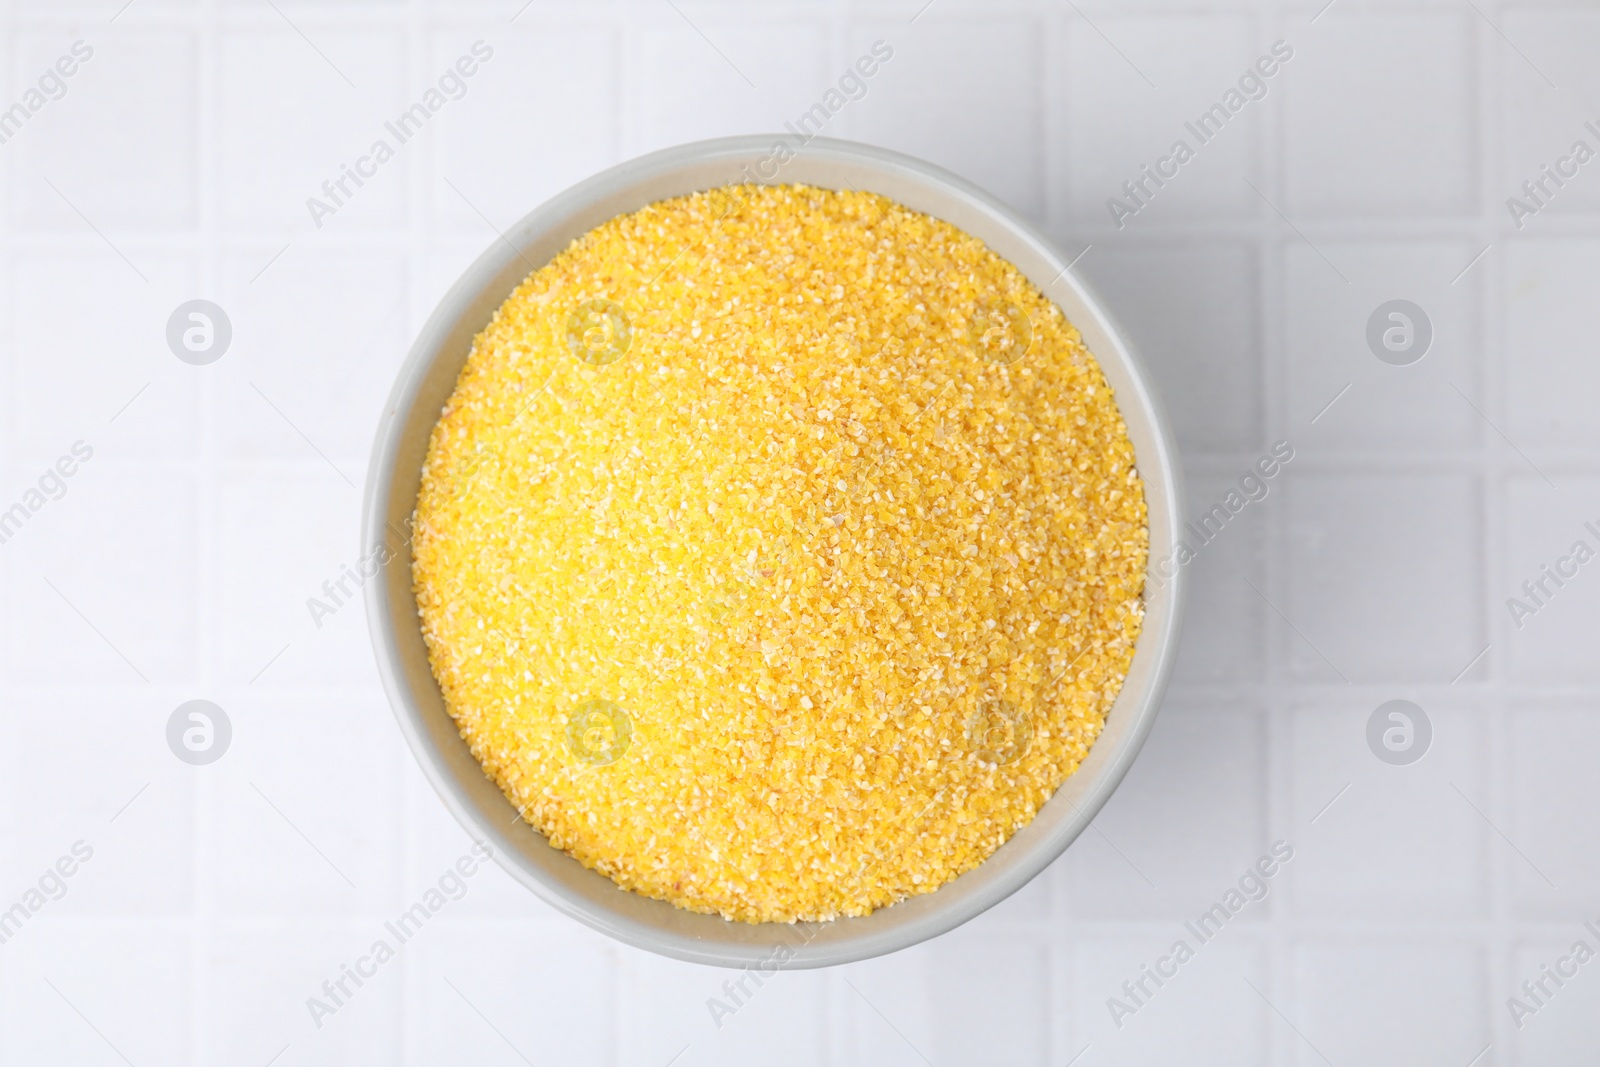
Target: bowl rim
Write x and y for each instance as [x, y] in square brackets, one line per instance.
[708, 939]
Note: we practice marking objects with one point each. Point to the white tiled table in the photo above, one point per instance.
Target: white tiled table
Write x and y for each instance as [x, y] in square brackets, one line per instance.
[219, 498]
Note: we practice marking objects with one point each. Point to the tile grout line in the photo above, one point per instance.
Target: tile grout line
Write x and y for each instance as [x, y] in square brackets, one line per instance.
[1488, 279]
[9, 442]
[1277, 418]
[205, 922]
[8, 403]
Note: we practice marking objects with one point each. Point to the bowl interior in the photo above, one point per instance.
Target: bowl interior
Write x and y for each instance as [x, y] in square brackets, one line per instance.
[429, 376]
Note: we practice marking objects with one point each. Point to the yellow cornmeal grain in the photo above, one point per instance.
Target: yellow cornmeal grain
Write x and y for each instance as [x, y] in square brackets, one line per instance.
[779, 551]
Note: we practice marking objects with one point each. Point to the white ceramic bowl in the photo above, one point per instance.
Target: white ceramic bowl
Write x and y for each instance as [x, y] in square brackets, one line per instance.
[426, 381]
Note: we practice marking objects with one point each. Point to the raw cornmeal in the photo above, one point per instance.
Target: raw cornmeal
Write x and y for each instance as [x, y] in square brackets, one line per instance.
[779, 551]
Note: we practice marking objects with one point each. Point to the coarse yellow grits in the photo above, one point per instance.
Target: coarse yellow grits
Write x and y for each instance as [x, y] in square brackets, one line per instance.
[779, 551]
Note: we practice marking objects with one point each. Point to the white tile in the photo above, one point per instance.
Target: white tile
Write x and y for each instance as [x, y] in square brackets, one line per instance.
[1117, 122]
[510, 995]
[962, 93]
[1381, 116]
[91, 7]
[303, 813]
[257, 980]
[121, 994]
[1426, 404]
[1560, 1029]
[305, 6]
[1203, 1014]
[124, 609]
[1547, 617]
[290, 120]
[1192, 313]
[778, 1021]
[888, 988]
[1551, 390]
[1400, 842]
[1384, 576]
[671, 1007]
[1540, 124]
[1390, 1001]
[1553, 805]
[442, 264]
[502, 145]
[1223, 634]
[977, 1019]
[81, 768]
[968, 997]
[435, 841]
[133, 101]
[687, 91]
[1190, 816]
[284, 534]
[318, 340]
[143, 403]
